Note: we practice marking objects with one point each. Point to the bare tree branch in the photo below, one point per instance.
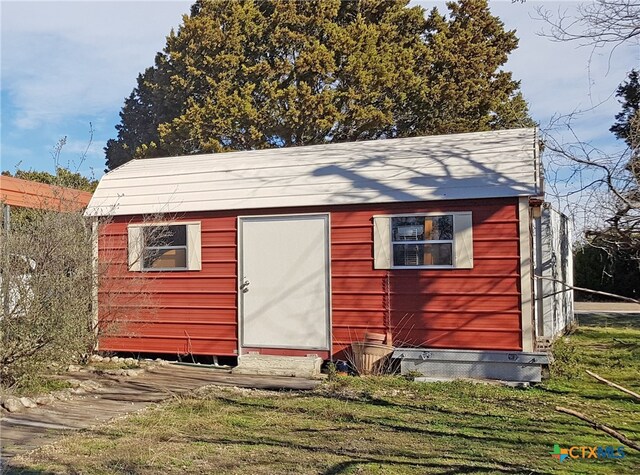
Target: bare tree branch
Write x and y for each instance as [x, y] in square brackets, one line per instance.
[621, 437]
[597, 24]
[613, 385]
[591, 291]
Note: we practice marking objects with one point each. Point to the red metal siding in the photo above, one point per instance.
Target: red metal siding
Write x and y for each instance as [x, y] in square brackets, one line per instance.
[475, 308]
[172, 312]
[195, 312]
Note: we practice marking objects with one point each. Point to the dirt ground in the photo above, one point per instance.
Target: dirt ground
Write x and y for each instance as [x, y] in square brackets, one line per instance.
[32, 428]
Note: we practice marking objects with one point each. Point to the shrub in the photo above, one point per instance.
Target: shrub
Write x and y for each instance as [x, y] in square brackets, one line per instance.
[565, 359]
[47, 277]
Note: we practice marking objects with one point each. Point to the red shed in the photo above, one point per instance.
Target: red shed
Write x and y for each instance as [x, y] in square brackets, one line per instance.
[298, 251]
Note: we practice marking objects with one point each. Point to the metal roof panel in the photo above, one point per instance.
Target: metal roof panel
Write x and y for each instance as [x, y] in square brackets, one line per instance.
[460, 166]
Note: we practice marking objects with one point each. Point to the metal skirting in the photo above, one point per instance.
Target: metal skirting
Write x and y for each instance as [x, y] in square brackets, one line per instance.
[513, 366]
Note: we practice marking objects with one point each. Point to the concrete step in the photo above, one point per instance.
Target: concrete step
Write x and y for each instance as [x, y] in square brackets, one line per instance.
[268, 365]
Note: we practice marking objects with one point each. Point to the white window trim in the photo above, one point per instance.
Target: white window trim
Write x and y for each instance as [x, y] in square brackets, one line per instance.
[461, 259]
[193, 246]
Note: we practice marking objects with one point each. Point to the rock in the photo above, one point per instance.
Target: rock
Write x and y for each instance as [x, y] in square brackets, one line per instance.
[63, 395]
[90, 385]
[28, 402]
[74, 368]
[131, 361]
[44, 400]
[132, 372]
[78, 391]
[75, 383]
[106, 359]
[96, 358]
[115, 372]
[12, 404]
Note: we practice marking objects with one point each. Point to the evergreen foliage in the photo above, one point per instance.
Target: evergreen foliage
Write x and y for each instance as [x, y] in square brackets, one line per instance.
[255, 74]
[629, 94]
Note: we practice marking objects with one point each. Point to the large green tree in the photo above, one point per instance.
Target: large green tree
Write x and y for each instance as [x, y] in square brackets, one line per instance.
[268, 73]
[599, 266]
[624, 232]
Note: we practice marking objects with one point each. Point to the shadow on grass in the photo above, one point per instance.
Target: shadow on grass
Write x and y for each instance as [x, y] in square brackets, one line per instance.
[471, 464]
[595, 393]
[350, 466]
[415, 426]
[11, 470]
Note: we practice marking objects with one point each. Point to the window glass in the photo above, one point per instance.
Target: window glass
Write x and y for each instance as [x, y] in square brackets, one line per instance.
[162, 236]
[165, 247]
[422, 240]
[165, 258]
[422, 228]
[438, 227]
[423, 254]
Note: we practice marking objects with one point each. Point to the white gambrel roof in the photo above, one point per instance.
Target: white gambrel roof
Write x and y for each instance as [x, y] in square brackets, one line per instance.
[461, 166]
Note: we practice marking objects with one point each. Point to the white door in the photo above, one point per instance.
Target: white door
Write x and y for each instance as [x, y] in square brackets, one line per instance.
[284, 282]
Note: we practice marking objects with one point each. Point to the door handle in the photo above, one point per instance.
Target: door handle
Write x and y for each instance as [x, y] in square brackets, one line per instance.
[245, 286]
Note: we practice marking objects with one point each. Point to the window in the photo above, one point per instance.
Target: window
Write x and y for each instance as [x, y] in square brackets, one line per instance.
[164, 247]
[422, 240]
[428, 240]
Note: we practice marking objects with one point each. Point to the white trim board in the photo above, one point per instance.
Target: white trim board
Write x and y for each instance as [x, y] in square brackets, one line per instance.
[526, 275]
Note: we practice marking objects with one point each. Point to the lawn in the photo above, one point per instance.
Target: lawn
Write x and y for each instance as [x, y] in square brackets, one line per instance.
[380, 425]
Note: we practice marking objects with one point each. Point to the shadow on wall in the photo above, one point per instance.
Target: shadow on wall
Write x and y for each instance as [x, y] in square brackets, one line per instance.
[475, 308]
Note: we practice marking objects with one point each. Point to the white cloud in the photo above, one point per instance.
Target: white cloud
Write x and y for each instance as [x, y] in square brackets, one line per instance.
[64, 64]
[74, 58]
[81, 58]
[560, 78]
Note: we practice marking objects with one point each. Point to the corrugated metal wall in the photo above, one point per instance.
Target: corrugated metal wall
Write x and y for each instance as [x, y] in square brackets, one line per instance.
[475, 308]
[555, 301]
[182, 312]
[172, 312]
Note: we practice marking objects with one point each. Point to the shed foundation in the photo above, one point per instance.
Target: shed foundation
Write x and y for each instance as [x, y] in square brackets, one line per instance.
[511, 366]
[268, 365]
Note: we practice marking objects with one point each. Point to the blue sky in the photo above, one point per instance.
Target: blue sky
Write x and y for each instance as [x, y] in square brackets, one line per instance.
[64, 65]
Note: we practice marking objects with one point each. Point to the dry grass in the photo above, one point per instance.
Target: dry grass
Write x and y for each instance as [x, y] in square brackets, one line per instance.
[372, 426]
